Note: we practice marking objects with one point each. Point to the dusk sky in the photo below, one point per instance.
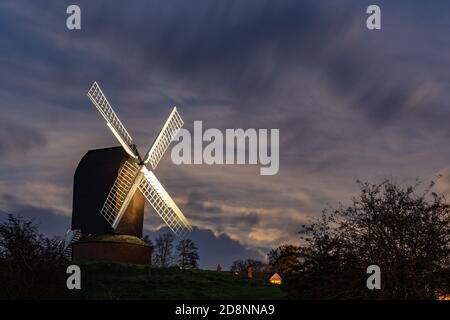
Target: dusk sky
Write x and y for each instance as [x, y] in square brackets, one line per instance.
[351, 104]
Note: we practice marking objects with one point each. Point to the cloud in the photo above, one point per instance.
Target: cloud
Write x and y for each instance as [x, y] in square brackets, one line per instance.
[249, 219]
[36, 194]
[350, 103]
[48, 222]
[195, 202]
[17, 139]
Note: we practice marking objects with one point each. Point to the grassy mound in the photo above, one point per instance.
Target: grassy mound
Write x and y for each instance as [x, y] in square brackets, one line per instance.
[122, 281]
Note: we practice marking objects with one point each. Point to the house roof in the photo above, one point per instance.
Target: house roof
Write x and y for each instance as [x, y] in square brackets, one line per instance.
[275, 276]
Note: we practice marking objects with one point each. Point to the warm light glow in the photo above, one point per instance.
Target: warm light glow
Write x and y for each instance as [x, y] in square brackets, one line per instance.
[444, 297]
[275, 279]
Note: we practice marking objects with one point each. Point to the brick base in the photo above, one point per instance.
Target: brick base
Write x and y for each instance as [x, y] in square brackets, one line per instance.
[112, 251]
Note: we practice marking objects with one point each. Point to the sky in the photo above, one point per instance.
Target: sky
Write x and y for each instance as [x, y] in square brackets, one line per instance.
[350, 103]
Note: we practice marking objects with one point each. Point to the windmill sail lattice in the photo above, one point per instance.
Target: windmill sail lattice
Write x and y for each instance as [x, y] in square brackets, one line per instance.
[101, 103]
[165, 137]
[133, 175]
[163, 204]
[116, 201]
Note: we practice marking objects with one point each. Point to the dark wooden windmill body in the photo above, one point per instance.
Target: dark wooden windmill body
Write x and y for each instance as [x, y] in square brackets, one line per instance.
[93, 179]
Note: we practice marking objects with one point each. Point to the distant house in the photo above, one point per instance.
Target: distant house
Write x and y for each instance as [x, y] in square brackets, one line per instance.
[275, 279]
[250, 272]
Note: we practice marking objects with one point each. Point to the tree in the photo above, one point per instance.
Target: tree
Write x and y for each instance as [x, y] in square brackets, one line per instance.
[258, 266]
[164, 250]
[238, 266]
[31, 265]
[242, 265]
[283, 258]
[404, 232]
[187, 254]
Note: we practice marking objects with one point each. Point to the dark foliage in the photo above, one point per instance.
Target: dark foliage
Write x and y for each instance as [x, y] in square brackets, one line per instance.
[242, 265]
[163, 250]
[405, 233]
[31, 266]
[283, 259]
[187, 254]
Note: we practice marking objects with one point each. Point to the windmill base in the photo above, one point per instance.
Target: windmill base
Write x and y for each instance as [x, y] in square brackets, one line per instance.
[112, 248]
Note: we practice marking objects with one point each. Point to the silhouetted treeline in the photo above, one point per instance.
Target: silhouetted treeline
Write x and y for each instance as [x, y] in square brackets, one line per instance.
[166, 254]
[403, 231]
[242, 265]
[31, 265]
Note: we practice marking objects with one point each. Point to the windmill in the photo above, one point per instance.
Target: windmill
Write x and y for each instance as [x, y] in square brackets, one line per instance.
[133, 179]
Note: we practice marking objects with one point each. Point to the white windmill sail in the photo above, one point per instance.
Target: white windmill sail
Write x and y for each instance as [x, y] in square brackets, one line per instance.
[133, 175]
[163, 204]
[121, 193]
[165, 137]
[101, 103]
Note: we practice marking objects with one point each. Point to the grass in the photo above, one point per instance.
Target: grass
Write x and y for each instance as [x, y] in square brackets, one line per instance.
[122, 281]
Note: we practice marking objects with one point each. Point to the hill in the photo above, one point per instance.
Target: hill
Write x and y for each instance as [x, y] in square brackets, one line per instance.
[122, 281]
